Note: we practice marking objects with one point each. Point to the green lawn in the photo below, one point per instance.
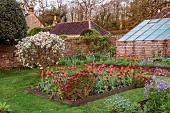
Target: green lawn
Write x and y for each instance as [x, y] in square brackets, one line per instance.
[12, 85]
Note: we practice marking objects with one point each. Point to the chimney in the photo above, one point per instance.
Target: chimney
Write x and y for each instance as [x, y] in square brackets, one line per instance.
[31, 9]
[89, 22]
[54, 21]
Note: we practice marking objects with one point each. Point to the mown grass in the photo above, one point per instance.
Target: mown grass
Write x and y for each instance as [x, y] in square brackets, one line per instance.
[12, 85]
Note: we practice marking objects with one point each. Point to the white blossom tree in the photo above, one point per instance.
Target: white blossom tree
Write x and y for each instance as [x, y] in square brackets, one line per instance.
[40, 50]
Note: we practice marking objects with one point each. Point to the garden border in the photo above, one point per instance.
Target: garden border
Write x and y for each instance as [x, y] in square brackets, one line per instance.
[79, 102]
[146, 68]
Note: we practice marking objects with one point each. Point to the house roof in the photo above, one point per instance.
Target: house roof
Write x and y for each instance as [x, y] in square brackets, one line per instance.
[164, 13]
[75, 28]
[156, 29]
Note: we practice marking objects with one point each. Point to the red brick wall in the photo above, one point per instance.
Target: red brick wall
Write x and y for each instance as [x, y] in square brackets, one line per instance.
[8, 59]
[151, 48]
[74, 46]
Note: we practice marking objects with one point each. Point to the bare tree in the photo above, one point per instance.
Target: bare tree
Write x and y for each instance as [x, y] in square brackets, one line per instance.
[87, 7]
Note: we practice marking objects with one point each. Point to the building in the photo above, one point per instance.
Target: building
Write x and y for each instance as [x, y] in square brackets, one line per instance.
[73, 29]
[151, 38]
[31, 19]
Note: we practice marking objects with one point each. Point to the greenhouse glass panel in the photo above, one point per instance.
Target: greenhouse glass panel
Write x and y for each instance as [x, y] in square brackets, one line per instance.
[125, 37]
[154, 21]
[159, 31]
[167, 31]
[148, 26]
[156, 29]
[168, 38]
[143, 23]
[150, 31]
[142, 37]
[152, 37]
[132, 37]
[162, 37]
[165, 26]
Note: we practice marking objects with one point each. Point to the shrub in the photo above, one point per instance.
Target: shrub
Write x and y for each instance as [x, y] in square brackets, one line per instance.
[63, 36]
[89, 32]
[41, 50]
[12, 21]
[36, 30]
[113, 50]
[158, 92]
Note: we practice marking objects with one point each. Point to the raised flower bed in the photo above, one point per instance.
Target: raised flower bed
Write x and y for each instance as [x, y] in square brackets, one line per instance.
[77, 86]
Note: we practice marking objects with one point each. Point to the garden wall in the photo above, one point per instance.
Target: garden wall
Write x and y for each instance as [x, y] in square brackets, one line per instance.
[8, 60]
[74, 46]
[145, 48]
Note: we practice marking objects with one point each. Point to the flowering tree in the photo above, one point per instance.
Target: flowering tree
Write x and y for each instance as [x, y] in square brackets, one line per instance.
[41, 50]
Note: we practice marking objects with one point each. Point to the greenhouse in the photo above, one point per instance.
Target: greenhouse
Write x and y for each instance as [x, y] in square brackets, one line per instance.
[151, 38]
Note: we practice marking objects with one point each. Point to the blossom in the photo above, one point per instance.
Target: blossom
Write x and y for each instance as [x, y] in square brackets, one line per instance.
[40, 49]
[158, 85]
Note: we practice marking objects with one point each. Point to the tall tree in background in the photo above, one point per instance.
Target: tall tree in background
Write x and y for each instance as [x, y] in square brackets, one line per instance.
[112, 14]
[140, 10]
[86, 7]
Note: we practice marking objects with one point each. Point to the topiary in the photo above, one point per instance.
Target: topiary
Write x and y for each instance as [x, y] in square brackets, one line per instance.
[12, 21]
[89, 32]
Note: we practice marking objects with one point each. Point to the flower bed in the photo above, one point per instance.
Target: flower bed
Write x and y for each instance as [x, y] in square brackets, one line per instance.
[79, 102]
[74, 84]
[154, 70]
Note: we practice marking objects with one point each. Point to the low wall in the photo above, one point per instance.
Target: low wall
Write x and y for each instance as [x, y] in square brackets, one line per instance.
[8, 60]
[74, 46]
[145, 48]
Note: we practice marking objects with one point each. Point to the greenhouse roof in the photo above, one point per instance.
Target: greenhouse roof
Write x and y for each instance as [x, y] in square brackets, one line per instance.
[156, 29]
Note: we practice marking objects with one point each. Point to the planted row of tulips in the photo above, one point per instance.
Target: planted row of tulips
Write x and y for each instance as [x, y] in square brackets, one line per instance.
[74, 83]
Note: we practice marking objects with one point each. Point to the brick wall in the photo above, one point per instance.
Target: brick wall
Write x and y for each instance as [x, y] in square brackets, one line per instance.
[75, 46]
[8, 60]
[145, 48]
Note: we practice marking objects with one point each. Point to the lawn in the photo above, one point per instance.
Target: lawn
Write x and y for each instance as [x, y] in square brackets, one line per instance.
[12, 85]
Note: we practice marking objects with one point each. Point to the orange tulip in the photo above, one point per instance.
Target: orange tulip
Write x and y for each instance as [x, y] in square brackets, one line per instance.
[105, 79]
[42, 72]
[104, 86]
